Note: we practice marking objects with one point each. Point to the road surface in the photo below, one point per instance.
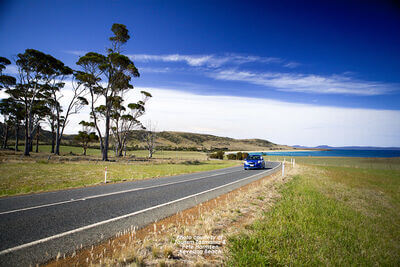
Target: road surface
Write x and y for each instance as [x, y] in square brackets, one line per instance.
[35, 228]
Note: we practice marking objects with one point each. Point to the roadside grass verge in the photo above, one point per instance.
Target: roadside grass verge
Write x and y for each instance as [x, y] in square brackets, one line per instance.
[38, 176]
[366, 163]
[328, 215]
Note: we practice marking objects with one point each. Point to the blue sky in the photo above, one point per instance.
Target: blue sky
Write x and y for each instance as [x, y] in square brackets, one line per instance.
[339, 55]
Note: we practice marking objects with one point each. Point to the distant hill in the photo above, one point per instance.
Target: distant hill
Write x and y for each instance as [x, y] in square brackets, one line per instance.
[179, 141]
[194, 141]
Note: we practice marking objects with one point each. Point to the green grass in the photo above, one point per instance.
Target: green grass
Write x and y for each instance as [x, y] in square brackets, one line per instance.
[66, 150]
[28, 177]
[329, 215]
[369, 163]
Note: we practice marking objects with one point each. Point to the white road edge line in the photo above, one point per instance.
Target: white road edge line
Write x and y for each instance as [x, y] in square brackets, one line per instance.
[9, 250]
[108, 194]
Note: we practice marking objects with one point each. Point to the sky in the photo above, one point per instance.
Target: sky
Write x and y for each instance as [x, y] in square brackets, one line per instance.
[292, 72]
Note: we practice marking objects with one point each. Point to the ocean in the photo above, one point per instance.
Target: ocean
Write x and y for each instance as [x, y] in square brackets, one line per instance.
[339, 153]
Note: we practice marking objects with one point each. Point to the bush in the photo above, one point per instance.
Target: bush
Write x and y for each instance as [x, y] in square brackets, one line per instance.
[217, 155]
[231, 156]
[240, 156]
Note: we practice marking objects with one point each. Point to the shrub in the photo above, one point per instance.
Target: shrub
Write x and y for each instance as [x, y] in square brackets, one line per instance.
[231, 156]
[217, 155]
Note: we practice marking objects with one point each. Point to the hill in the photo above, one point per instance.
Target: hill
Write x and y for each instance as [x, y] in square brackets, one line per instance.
[168, 140]
[194, 141]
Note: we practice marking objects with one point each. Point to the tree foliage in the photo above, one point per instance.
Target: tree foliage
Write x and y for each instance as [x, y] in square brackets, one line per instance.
[37, 78]
[86, 136]
[108, 77]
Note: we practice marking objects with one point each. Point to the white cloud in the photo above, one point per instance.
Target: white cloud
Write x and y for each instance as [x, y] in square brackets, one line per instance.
[292, 64]
[306, 83]
[75, 52]
[216, 67]
[213, 61]
[279, 122]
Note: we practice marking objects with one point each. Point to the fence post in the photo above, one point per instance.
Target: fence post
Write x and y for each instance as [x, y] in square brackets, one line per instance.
[105, 175]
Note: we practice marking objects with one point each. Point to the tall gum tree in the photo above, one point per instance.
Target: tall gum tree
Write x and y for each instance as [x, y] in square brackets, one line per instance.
[37, 78]
[106, 77]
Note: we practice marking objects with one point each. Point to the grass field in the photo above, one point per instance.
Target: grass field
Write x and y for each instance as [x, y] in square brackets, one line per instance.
[67, 150]
[366, 163]
[38, 173]
[329, 214]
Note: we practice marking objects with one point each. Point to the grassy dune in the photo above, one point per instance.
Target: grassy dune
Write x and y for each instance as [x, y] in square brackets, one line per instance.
[330, 214]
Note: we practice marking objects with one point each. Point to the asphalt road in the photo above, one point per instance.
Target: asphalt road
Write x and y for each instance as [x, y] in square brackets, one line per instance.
[34, 228]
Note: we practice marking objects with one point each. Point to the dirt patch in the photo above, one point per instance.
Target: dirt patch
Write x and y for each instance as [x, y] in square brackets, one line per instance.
[196, 236]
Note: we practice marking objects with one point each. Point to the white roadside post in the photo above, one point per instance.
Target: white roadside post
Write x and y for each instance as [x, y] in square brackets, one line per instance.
[105, 175]
[283, 168]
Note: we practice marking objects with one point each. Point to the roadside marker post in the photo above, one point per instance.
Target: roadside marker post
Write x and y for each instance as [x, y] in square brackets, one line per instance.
[105, 175]
[283, 168]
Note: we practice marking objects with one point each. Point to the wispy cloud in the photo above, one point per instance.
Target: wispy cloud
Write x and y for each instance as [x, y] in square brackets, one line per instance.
[213, 61]
[292, 64]
[307, 83]
[75, 52]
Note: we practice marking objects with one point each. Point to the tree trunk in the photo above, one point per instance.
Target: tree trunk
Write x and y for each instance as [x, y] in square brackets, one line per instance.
[5, 140]
[31, 143]
[16, 137]
[106, 139]
[27, 139]
[58, 139]
[53, 138]
[84, 150]
[37, 140]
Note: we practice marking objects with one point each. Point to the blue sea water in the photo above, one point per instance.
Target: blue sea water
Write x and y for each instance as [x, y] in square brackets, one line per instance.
[338, 153]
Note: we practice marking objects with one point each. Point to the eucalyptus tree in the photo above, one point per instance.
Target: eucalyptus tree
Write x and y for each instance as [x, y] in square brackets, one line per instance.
[16, 118]
[6, 112]
[149, 137]
[107, 77]
[86, 136]
[59, 117]
[54, 76]
[125, 119]
[40, 112]
[38, 83]
[6, 81]
[32, 66]
[12, 112]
